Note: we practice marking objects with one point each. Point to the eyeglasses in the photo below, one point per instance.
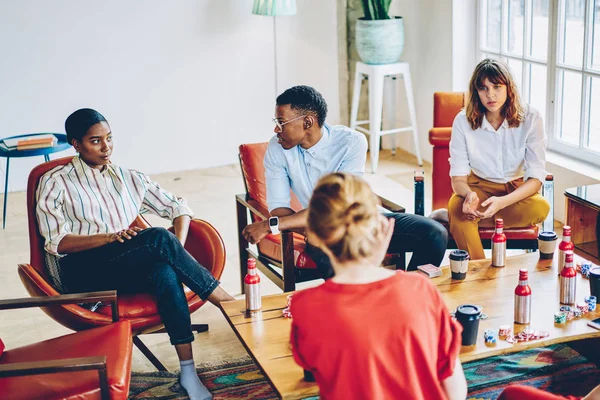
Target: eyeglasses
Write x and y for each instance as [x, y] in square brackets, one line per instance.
[280, 124]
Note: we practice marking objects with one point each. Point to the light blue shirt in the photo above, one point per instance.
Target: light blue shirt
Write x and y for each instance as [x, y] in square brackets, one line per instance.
[340, 150]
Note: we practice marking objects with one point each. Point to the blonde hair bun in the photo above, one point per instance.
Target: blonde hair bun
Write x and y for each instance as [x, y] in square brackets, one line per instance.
[343, 214]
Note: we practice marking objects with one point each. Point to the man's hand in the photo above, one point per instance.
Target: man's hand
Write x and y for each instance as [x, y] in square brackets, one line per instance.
[470, 206]
[383, 240]
[121, 235]
[493, 204]
[257, 231]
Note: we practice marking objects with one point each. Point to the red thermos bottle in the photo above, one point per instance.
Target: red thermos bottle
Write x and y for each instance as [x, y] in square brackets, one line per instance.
[565, 245]
[568, 280]
[499, 245]
[252, 287]
[523, 299]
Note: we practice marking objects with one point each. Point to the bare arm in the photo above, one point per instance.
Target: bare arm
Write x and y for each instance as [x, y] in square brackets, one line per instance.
[290, 220]
[460, 186]
[181, 225]
[72, 243]
[529, 188]
[455, 386]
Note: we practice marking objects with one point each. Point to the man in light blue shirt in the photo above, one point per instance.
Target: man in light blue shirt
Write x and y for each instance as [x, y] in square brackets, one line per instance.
[306, 148]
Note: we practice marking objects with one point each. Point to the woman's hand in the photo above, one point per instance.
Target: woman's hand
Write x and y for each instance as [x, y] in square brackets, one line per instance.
[493, 204]
[470, 206]
[121, 235]
[383, 240]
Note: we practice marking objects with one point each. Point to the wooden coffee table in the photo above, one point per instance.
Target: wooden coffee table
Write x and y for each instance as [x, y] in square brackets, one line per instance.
[266, 334]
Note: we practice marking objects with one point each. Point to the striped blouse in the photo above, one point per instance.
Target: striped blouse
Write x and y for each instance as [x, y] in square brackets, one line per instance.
[75, 198]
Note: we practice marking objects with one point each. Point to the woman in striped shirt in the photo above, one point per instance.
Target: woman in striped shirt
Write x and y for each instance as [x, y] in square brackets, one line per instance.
[84, 210]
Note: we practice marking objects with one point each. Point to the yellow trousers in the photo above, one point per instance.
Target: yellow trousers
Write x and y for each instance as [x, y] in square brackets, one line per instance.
[530, 211]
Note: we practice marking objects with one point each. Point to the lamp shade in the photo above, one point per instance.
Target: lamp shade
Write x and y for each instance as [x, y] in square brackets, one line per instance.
[274, 7]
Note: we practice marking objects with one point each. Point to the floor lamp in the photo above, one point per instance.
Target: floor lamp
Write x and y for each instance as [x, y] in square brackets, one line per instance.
[274, 8]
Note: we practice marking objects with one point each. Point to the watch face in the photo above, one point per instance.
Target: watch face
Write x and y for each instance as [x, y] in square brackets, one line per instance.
[273, 221]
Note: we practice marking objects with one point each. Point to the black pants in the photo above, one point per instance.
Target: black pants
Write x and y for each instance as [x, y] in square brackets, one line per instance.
[425, 238]
[153, 262]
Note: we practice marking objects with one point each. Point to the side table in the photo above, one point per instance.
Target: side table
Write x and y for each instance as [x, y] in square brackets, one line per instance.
[61, 144]
[582, 213]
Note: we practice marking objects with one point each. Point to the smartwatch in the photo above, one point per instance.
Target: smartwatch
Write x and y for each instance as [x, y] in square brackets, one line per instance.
[274, 225]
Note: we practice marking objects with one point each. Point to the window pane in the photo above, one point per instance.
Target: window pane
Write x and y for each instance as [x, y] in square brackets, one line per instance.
[516, 12]
[594, 136]
[569, 106]
[596, 36]
[537, 88]
[539, 29]
[491, 27]
[571, 32]
[516, 69]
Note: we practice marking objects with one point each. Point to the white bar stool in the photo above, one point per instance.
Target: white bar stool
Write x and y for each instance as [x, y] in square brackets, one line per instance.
[376, 75]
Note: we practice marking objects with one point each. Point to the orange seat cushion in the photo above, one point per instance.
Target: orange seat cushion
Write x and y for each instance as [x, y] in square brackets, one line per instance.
[112, 341]
[270, 246]
[138, 305]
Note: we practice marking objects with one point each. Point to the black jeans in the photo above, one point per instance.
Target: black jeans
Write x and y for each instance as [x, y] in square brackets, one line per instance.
[154, 262]
[425, 238]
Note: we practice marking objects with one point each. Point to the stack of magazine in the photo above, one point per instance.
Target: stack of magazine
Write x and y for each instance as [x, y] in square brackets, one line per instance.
[29, 142]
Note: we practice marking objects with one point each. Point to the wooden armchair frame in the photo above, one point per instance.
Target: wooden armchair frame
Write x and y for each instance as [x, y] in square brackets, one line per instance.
[64, 365]
[289, 275]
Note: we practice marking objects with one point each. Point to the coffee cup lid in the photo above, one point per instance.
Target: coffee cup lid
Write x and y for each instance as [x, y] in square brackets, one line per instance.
[547, 236]
[459, 255]
[468, 309]
[595, 270]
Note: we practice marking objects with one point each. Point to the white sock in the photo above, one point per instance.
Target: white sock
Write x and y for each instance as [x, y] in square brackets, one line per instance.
[188, 378]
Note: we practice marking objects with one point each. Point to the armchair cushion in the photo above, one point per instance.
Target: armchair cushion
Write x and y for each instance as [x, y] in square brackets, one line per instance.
[112, 341]
[270, 246]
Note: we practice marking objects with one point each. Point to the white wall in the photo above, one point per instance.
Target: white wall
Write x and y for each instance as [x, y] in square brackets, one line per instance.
[428, 49]
[182, 82]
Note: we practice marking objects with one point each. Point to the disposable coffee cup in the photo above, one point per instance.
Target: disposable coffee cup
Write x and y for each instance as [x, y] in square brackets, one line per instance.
[595, 281]
[468, 316]
[547, 244]
[459, 264]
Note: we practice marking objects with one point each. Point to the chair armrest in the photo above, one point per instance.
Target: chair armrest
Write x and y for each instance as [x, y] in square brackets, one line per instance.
[64, 365]
[440, 137]
[45, 301]
[254, 206]
[548, 193]
[390, 205]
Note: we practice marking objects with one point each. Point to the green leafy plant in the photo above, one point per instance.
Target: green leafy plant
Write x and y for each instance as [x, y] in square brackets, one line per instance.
[376, 9]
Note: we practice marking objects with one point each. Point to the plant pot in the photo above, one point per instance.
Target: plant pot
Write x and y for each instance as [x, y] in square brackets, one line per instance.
[380, 41]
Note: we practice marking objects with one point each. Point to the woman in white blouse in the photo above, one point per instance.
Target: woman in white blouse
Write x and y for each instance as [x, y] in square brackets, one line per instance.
[497, 159]
[84, 210]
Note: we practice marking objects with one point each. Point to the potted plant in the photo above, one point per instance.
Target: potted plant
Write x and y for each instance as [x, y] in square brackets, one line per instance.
[379, 38]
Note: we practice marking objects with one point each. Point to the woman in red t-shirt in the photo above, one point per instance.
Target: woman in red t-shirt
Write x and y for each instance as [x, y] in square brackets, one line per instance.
[369, 332]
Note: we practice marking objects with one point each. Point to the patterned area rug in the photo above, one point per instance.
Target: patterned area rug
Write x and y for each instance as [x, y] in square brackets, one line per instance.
[240, 379]
[558, 369]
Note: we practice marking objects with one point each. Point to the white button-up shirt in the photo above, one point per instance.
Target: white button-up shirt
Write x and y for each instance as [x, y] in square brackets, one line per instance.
[501, 155]
[340, 149]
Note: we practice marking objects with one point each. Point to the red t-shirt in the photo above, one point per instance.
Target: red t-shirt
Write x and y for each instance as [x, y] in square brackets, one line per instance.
[390, 339]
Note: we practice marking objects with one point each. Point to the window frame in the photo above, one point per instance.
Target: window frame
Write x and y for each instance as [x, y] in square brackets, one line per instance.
[553, 69]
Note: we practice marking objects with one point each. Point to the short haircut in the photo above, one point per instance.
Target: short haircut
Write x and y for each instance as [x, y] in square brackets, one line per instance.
[78, 123]
[306, 100]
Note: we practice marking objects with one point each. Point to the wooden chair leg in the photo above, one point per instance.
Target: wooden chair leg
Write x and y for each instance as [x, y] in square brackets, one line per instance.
[242, 221]
[149, 355]
[287, 260]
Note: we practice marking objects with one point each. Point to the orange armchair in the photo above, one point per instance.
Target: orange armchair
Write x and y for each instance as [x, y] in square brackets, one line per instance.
[281, 258]
[203, 242]
[92, 364]
[445, 108]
